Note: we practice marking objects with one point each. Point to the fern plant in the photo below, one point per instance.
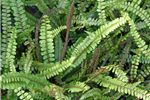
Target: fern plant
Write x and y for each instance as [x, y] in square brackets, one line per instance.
[75, 50]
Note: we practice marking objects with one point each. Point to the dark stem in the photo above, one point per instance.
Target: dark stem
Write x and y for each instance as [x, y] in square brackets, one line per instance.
[68, 24]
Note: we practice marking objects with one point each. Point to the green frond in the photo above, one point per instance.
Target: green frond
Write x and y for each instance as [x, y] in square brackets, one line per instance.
[117, 85]
[76, 87]
[11, 52]
[130, 7]
[95, 94]
[71, 49]
[16, 80]
[141, 46]
[144, 59]
[101, 12]
[137, 1]
[134, 67]
[22, 94]
[91, 41]
[26, 60]
[144, 72]
[120, 74]
[20, 18]
[57, 68]
[86, 22]
[46, 39]
[6, 28]
[138, 40]
[135, 8]
[29, 81]
[6, 24]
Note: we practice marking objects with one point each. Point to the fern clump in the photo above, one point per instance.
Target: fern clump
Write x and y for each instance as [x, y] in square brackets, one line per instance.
[75, 50]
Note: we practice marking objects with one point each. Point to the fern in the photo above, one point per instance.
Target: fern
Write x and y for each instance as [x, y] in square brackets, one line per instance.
[20, 19]
[11, 52]
[140, 43]
[120, 74]
[107, 55]
[23, 95]
[46, 40]
[86, 22]
[91, 41]
[101, 12]
[37, 82]
[76, 87]
[144, 72]
[6, 29]
[94, 93]
[122, 87]
[57, 68]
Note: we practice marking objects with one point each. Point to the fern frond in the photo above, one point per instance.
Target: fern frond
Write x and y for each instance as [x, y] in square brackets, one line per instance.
[144, 72]
[6, 24]
[117, 85]
[29, 81]
[135, 8]
[46, 39]
[91, 41]
[95, 94]
[22, 94]
[120, 74]
[141, 46]
[16, 80]
[101, 12]
[86, 22]
[11, 52]
[134, 67]
[27, 60]
[57, 68]
[20, 19]
[144, 59]
[76, 87]
[6, 29]
[130, 7]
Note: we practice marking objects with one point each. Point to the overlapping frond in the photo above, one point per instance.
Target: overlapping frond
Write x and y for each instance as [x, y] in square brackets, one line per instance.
[115, 84]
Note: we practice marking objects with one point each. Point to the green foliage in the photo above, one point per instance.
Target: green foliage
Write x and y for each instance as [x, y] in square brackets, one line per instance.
[107, 53]
[122, 87]
[11, 52]
[46, 40]
[76, 87]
